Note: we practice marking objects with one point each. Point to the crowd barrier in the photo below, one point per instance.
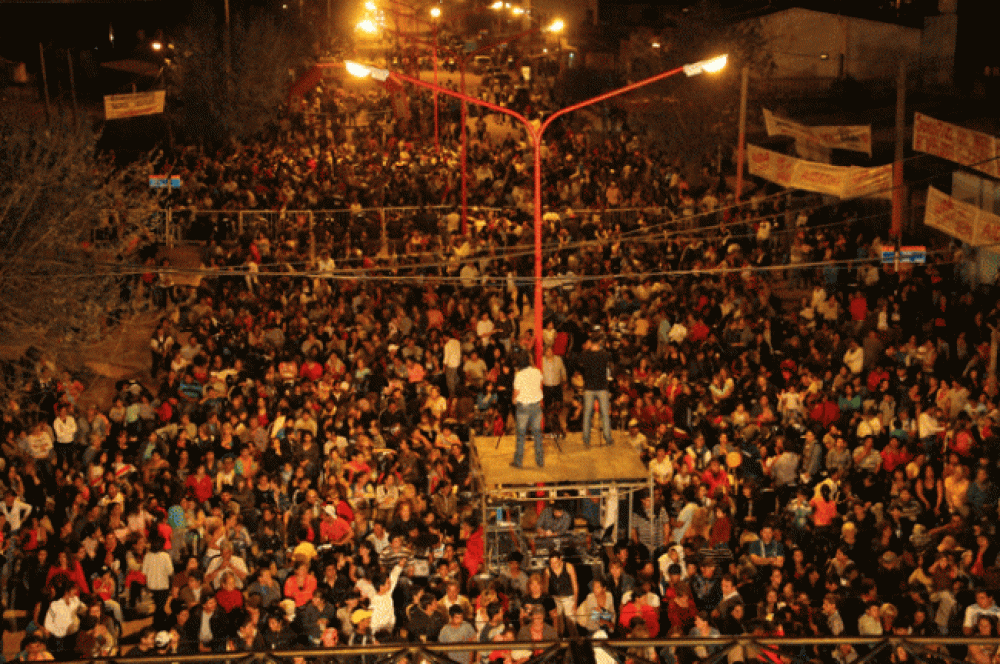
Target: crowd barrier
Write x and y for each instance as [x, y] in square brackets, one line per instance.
[177, 226]
[587, 651]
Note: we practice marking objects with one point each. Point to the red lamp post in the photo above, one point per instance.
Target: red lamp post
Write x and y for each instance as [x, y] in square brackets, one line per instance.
[462, 62]
[711, 65]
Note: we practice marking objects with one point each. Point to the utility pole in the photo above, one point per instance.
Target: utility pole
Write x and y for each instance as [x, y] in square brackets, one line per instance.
[742, 139]
[898, 186]
[227, 53]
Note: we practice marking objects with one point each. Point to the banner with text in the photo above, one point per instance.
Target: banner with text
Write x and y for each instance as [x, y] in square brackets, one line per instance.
[117, 107]
[842, 181]
[958, 144]
[960, 219]
[857, 138]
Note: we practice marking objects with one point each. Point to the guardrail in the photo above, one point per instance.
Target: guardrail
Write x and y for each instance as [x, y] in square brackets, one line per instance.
[575, 650]
[196, 226]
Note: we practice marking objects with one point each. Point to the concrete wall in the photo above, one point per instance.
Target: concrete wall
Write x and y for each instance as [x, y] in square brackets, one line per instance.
[860, 48]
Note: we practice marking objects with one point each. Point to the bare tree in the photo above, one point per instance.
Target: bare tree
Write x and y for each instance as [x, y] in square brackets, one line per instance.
[213, 100]
[71, 229]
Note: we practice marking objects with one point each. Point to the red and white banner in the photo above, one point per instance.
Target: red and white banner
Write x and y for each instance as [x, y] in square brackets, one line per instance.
[857, 138]
[958, 144]
[960, 219]
[841, 181]
[117, 107]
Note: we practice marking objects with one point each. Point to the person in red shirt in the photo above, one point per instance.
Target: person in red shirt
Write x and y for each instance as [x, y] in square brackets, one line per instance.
[311, 368]
[334, 529]
[200, 484]
[228, 597]
[300, 586]
[895, 455]
[715, 477]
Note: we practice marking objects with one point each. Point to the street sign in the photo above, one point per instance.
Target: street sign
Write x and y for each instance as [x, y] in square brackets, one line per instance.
[164, 182]
[906, 255]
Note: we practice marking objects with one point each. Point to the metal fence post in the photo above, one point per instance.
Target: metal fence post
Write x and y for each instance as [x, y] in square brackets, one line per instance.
[312, 238]
[385, 235]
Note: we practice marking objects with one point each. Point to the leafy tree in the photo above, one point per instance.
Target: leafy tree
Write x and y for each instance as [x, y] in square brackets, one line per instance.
[65, 239]
[212, 101]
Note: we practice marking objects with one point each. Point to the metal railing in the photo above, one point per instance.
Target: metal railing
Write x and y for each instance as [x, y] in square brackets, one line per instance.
[570, 650]
[195, 226]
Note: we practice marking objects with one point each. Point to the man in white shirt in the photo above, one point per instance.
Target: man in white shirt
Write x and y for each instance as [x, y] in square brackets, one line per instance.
[15, 510]
[528, 410]
[64, 427]
[62, 620]
[553, 376]
[452, 362]
[380, 602]
[854, 358]
[984, 606]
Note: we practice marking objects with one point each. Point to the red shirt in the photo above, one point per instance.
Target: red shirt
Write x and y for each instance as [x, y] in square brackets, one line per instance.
[202, 487]
[229, 599]
[334, 530]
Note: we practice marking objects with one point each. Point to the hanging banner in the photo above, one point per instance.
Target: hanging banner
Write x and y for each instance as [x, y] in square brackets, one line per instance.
[841, 181]
[857, 138]
[117, 107]
[960, 219]
[958, 144]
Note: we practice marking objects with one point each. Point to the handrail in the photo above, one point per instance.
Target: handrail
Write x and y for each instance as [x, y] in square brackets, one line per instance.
[722, 642]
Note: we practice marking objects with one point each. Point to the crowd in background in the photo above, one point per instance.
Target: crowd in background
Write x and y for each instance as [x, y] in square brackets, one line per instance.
[297, 469]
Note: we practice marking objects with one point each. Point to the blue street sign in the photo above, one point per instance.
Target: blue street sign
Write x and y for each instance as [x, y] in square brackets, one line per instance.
[906, 255]
[164, 182]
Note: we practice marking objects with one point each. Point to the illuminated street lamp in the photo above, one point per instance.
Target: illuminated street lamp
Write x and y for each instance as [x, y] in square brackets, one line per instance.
[693, 69]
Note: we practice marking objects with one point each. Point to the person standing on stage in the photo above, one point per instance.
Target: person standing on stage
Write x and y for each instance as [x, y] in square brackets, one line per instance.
[528, 409]
[595, 363]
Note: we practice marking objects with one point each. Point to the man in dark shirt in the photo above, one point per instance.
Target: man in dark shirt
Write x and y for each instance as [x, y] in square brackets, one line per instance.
[426, 621]
[595, 363]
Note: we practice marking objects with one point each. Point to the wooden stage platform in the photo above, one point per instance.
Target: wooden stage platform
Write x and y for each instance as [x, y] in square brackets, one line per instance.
[573, 464]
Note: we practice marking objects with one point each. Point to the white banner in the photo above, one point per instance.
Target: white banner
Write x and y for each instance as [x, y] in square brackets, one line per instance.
[958, 144]
[131, 105]
[857, 138]
[842, 181]
[961, 220]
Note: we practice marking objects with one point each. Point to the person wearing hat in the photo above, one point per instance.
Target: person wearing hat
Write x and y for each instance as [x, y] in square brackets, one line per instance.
[362, 635]
[637, 440]
[334, 529]
[527, 396]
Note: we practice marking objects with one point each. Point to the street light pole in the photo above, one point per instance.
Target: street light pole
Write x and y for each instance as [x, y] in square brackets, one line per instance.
[711, 65]
[462, 63]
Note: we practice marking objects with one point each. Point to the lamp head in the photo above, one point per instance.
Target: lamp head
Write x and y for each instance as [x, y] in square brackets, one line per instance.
[711, 66]
[364, 71]
[557, 25]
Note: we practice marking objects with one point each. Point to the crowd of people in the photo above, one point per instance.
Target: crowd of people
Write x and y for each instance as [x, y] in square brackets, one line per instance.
[296, 469]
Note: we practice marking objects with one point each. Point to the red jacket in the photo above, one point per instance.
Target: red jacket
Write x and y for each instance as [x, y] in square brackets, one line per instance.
[648, 614]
